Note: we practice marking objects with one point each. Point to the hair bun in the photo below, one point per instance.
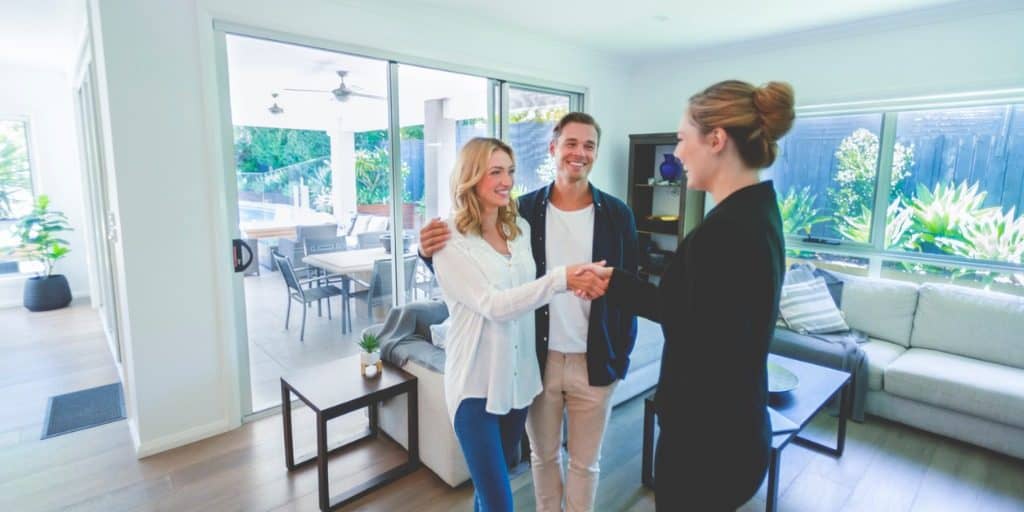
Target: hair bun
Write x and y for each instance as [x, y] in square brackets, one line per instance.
[774, 104]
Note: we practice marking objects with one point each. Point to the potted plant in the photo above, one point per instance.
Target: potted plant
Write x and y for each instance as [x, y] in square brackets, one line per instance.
[370, 356]
[39, 240]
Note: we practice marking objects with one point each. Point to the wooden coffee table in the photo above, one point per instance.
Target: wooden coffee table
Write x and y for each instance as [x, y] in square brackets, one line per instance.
[818, 385]
[336, 388]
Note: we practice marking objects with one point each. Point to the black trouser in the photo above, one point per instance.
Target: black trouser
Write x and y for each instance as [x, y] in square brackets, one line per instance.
[691, 474]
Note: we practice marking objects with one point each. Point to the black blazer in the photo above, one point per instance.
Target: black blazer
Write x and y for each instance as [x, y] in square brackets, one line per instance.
[717, 302]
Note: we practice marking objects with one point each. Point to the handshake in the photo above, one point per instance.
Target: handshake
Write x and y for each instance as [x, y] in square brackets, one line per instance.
[588, 281]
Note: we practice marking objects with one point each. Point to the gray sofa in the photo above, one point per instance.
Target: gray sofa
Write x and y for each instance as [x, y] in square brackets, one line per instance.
[406, 342]
[942, 358]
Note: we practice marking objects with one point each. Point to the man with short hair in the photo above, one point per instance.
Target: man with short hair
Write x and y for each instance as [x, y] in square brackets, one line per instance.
[583, 347]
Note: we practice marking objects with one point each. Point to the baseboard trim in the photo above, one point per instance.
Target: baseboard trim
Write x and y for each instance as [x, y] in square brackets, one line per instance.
[77, 297]
[162, 444]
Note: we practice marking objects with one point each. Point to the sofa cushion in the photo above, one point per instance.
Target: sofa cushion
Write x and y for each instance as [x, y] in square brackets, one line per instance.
[983, 389]
[969, 322]
[882, 308]
[649, 342]
[359, 224]
[880, 354]
[377, 223]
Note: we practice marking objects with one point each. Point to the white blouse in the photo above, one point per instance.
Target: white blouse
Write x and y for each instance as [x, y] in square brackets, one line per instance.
[491, 351]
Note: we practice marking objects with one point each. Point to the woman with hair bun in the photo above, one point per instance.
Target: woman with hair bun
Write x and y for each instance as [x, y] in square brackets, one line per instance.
[717, 301]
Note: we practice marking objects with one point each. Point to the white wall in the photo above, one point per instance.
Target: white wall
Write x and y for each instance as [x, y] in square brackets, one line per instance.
[158, 86]
[46, 98]
[976, 46]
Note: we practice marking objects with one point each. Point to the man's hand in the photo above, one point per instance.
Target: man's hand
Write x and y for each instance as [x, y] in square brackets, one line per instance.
[433, 236]
[588, 281]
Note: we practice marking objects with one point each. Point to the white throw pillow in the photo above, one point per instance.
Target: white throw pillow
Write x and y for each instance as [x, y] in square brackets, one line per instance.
[360, 224]
[439, 334]
[807, 307]
[377, 223]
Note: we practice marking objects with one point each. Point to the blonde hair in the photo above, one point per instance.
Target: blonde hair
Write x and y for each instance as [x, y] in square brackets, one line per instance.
[754, 117]
[469, 170]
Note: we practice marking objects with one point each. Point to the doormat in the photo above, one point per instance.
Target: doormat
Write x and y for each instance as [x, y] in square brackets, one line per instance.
[83, 409]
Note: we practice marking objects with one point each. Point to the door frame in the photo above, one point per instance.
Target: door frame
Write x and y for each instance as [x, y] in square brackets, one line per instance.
[101, 220]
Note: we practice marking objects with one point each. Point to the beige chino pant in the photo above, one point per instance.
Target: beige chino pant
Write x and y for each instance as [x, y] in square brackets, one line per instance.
[567, 387]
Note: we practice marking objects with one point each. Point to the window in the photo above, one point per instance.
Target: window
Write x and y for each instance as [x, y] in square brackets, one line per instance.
[954, 181]
[825, 176]
[15, 184]
[532, 115]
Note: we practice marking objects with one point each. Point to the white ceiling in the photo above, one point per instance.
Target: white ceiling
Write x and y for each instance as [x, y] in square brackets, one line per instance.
[41, 33]
[639, 26]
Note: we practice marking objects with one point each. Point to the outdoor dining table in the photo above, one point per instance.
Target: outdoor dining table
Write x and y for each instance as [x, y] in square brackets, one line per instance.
[344, 264]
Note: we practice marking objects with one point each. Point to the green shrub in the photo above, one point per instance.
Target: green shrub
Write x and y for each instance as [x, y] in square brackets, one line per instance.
[798, 212]
[940, 216]
[897, 225]
[995, 236]
[372, 180]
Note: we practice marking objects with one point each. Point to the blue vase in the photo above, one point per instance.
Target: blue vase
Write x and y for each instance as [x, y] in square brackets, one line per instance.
[671, 169]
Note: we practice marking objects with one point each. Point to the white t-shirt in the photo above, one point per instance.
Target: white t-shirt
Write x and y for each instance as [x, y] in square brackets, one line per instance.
[570, 240]
[491, 343]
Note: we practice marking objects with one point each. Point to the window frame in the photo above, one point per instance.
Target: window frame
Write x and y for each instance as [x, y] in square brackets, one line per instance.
[876, 252]
[5, 224]
[29, 153]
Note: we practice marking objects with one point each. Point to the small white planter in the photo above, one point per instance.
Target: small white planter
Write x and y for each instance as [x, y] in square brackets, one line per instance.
[370, 359]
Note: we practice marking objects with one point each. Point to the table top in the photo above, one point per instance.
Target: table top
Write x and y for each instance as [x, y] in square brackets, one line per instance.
[268, 231]
[817, 385]
[339, 381]
[347, 262]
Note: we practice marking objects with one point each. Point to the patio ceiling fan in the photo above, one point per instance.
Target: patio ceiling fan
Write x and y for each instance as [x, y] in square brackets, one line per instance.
[343, 92]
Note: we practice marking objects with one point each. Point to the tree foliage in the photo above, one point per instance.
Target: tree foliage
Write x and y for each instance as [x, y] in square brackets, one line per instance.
[15, 177]
[857, 158]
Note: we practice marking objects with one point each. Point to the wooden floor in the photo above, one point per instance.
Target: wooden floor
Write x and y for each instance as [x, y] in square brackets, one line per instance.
[886, 466]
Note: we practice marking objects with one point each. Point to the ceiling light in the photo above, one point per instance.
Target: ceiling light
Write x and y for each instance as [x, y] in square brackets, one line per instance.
[275, 109]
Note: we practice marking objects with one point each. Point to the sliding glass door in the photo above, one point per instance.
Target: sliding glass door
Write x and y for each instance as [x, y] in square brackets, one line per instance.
[311, 171]
[336, 161]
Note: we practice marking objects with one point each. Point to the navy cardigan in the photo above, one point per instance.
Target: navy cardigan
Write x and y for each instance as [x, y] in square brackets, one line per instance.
[612, 331]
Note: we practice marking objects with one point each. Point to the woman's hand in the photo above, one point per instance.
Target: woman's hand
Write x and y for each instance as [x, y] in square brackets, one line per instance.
[588, 281]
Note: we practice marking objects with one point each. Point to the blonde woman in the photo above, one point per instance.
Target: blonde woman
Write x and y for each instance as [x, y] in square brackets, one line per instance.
[487, 273]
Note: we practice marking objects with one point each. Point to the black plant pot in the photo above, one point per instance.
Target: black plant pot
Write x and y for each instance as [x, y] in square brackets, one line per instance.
[46, 293]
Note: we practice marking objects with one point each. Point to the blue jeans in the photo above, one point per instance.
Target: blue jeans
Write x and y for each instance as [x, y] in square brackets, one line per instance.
[489, 443]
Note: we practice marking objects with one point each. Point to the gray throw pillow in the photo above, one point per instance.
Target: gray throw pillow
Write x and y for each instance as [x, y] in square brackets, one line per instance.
[832, 281]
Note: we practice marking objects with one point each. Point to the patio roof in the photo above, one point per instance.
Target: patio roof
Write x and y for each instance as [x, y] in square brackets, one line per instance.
[258, 68]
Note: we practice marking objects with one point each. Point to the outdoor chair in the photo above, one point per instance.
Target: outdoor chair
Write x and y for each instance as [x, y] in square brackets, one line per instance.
[302, 295]
[378, 290]
[371, 239]
[321, 246]
[295, 249]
